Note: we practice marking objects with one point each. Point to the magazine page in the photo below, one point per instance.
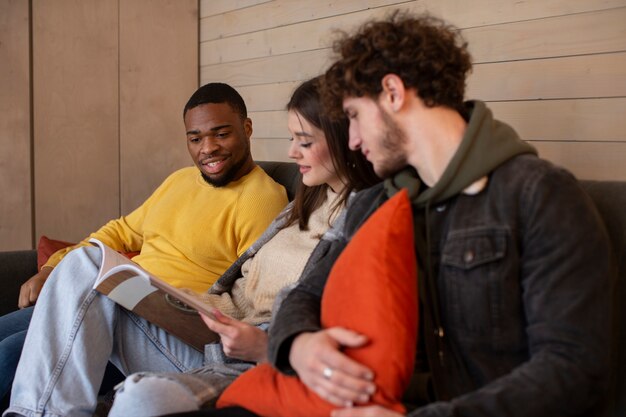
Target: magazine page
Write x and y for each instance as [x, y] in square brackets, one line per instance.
[148, 296]
[110, 259]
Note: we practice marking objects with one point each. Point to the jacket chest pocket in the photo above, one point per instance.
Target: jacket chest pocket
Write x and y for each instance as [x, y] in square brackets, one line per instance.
[472, 279]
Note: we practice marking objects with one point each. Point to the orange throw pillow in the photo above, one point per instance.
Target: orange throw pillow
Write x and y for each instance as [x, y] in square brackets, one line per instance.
[372, 289]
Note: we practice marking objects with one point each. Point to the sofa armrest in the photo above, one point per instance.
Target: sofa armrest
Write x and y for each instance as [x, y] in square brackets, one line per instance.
[15, 268]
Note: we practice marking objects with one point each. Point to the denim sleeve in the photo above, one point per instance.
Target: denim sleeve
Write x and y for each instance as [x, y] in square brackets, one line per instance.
[564, 274]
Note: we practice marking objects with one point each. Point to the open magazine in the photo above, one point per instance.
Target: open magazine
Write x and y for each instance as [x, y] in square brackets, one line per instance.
[135, 289]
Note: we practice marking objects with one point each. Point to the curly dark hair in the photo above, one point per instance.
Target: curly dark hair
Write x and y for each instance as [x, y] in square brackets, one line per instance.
[425, 52]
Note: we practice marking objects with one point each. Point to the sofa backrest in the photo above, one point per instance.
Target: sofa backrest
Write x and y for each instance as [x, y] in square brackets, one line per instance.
[610, 200]
[285, 173]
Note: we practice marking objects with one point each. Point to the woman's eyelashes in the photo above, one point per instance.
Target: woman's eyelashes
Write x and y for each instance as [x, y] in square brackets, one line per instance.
[304, 141]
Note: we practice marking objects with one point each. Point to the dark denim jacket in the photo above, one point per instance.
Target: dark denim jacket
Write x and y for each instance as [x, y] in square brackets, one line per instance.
[523, 283]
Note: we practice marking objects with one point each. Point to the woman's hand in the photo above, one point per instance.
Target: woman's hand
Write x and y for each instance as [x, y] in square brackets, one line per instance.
[240, 340]
[320, 364]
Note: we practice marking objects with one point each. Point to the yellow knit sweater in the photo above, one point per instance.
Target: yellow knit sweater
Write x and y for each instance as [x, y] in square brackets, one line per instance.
[190, 232]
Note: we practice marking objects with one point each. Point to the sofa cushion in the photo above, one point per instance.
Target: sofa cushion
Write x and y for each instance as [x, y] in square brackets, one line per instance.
[47, 247]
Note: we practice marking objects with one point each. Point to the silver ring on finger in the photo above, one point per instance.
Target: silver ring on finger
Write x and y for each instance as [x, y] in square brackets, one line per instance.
[327, 373]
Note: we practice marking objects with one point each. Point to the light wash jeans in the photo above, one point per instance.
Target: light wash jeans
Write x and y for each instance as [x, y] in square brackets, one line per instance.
[74, 331]
[150, 394]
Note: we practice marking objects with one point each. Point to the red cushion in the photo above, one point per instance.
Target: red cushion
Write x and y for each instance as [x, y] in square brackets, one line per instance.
[371, 289]
[47, 247]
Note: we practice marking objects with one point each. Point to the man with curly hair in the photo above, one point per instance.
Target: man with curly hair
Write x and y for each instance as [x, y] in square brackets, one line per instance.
[513, 258]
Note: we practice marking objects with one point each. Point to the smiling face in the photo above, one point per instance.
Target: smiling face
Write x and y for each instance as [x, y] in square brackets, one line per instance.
[376, 135]
[310, 151]
[218, 141]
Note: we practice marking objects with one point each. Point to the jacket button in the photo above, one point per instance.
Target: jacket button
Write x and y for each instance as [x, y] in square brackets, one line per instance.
[440, 208]
[468, 256]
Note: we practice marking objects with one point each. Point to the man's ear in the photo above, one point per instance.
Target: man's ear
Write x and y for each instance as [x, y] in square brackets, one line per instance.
[393, 93]
[247, 125]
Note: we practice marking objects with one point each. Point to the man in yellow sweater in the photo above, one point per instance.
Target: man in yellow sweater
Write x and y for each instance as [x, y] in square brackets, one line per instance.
[188, 232]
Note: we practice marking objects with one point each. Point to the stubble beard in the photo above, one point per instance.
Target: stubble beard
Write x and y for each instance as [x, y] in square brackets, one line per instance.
[392, 143]
[230, 174]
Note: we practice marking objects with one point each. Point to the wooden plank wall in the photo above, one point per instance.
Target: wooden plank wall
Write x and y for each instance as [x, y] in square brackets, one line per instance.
[75, 118]
[109, 81]
[15, 131]
[554, 69]
[158, 74]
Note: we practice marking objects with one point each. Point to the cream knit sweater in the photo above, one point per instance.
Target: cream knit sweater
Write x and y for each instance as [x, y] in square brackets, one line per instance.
[277, 264]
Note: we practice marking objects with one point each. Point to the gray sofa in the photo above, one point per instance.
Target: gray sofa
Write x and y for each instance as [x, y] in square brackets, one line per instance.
[609, 197]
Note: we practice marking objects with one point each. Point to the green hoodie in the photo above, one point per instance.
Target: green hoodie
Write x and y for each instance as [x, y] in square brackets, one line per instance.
[487, 144]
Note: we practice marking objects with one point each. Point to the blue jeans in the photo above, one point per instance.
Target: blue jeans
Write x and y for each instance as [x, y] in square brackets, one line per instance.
[13, 328]
[74, 331]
